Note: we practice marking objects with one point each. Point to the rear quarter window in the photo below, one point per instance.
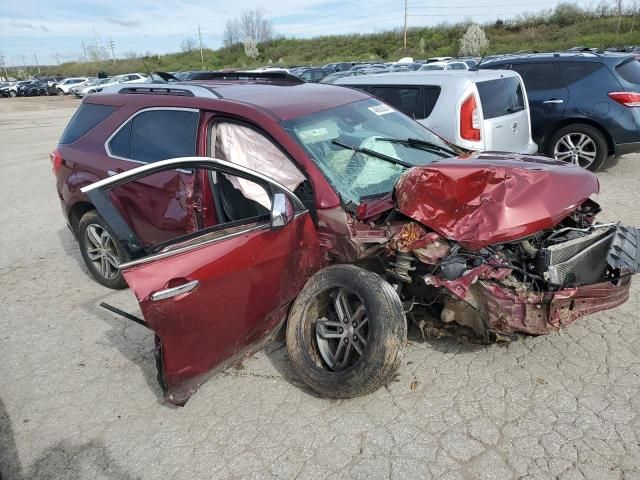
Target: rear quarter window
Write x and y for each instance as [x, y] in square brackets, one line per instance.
[415, 101]
[576, 71]
[500, 97]
[88, 116]
[629, 70]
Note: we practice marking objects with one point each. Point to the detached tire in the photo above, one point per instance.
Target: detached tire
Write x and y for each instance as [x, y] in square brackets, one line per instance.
[580, 144]
[346, 332]
[101, 251]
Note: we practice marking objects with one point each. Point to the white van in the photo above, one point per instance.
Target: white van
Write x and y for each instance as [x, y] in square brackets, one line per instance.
[476, 110]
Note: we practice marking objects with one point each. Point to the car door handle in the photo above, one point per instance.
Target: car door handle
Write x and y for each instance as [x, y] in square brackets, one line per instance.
[554, 101]
[175, 291]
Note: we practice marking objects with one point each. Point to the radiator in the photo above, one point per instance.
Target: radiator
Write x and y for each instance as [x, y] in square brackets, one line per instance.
[579, 261]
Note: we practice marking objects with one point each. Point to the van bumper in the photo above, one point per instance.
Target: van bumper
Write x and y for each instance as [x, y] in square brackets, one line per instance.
[530, 148]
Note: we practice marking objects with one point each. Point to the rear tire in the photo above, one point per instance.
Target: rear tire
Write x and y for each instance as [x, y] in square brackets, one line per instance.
[580, 144]
[12, 94]
[59, 92]
[101, 251]
[373, 338]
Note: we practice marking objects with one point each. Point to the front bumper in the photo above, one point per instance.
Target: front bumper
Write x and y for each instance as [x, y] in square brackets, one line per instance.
[542, 313]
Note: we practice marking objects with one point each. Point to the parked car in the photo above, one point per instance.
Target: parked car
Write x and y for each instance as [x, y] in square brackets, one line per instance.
[446, 65]
[126, 78]
[90, 80]
[10, 89]
[328, 211]
[89, 86]
[313, 75]
[473, 110]
[39, 87]
[338, 67]
[64, 87]
[331, 78]
[583, 105]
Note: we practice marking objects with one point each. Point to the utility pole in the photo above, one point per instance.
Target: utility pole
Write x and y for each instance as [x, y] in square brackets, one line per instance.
[4, 67]
[84, 50]
[95, 39]
[37, 64]
[405, 25]
[57, 58]
[113, 55]
[200, 38]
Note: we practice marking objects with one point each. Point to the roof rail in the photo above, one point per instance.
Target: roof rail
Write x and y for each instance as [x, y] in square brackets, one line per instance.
[167, 89]
[246, 76]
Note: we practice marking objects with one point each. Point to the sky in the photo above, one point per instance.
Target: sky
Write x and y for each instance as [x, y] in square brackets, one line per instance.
[54, 31]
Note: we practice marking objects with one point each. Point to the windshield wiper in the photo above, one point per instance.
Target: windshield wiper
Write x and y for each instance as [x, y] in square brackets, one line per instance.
[418, 143]
[372, 153]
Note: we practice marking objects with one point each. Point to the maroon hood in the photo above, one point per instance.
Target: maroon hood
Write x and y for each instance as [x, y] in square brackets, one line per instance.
[491, 197]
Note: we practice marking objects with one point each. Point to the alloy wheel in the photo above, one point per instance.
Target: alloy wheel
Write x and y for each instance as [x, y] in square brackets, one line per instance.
[102, 251]
[342, 334]
[576, 148]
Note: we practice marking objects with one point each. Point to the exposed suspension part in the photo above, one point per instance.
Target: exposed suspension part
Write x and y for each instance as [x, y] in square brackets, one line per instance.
[402, 267]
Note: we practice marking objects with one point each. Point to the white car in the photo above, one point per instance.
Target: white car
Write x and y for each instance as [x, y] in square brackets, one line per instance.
[448, 65]
[89, 87]
[81, 85]
[63, 87]
[475, 110]
[124, 78]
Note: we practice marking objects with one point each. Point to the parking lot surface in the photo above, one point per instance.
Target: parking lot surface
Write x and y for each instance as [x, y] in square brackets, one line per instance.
[79, 398]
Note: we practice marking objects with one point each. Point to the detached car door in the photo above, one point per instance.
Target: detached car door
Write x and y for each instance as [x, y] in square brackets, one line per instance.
[217, 294]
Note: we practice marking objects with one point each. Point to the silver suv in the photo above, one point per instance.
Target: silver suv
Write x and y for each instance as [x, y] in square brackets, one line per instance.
[476, 110]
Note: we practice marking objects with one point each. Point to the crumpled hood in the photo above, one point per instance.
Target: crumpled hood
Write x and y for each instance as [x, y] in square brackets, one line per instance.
[490, 197]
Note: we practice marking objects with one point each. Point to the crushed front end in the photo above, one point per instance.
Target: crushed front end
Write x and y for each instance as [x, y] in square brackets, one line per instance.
[496, 250]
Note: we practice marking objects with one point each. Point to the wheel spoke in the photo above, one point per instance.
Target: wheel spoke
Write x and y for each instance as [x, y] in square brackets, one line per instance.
[94, 254]
[93, 236]
[358, 314]
[112, 259]
[563, 156]
[583, 141]
[345, 351]
[359, 348]
[104, 266]
[323, 332]
[569, 141]
[364, 322]
[341, 304]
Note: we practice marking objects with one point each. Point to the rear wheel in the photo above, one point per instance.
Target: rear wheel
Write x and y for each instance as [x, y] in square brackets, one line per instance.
[12, 94]
[580, 144]
[101, 251]
[346, 332]
[59, 92]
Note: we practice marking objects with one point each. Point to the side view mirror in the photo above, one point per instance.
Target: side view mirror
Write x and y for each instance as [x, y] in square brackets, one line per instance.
[281, 211]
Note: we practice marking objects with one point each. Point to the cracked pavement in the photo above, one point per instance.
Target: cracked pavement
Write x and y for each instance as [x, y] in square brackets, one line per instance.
[79, 398]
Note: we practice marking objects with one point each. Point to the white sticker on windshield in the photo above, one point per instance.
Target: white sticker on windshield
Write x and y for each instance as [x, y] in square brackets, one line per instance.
[381, 109]
[313, 134]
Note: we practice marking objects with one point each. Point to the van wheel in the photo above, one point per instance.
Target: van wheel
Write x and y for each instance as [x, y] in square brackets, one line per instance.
[101, 251]
[580, 144]
[346, 332]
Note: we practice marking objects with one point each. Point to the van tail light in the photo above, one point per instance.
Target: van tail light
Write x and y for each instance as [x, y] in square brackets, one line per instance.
[56, 161]
[469, 119]
[628, 99]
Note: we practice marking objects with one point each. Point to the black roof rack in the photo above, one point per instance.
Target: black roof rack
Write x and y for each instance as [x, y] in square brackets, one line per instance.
[282, 76]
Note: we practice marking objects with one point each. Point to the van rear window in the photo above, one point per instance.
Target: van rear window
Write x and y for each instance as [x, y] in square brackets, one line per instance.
[629, 70]
[86, 117]
[500, 97]
[416, 101]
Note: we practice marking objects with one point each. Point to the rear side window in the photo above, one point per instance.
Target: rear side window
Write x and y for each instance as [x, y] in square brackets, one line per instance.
[417, 102]
[86, 117]
[575, 71]
[629, 70]
[157, 135]
[500, 97]
[540, 75]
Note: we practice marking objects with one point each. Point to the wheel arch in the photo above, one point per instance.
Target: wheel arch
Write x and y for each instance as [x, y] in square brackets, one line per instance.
[580, 121]
[76, 212]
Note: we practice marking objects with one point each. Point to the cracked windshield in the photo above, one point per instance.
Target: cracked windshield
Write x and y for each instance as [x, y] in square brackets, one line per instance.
[363, 147]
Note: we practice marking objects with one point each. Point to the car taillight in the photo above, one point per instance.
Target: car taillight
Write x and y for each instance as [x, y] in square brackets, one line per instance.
[56, 161]
[469, 119]
[628, 99]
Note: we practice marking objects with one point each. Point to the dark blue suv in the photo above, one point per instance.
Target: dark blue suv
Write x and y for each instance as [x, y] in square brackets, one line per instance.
[584, 106]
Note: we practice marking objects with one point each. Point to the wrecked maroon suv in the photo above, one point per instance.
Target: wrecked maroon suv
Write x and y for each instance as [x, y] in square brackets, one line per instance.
[322, 209]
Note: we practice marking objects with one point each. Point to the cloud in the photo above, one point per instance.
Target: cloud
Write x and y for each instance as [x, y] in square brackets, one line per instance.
[125, 23]
[27, 25]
